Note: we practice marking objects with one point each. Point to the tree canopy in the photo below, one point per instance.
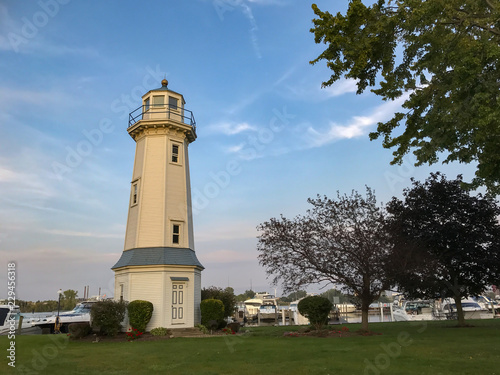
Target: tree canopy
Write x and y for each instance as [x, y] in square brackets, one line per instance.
[442, 57]
[338, 241]
[244, 296]
[294, 296]
[447, 242]
[69, 299]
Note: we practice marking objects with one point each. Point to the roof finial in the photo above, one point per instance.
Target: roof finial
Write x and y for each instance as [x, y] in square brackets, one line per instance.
[164, 82]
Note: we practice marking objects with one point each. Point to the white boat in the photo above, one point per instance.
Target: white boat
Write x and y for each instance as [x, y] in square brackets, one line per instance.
[423, 310]
[252, 305]
[399, 314]
[298, 318]
[80, 314]
[486, 303]
[269, 308]
[470, 308]
[9, 322]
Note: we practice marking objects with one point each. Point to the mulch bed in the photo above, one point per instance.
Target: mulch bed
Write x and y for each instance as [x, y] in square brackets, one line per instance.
[120, 337]
[329, 333]
[325, 333]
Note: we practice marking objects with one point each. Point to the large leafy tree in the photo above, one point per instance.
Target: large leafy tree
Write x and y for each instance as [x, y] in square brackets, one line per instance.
[442, 56]
[446, 241]
[338, 241]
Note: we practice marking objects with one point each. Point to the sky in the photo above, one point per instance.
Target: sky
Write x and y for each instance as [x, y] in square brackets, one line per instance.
[71, 71]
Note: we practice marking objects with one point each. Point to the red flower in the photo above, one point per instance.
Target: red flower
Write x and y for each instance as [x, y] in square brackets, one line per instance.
[133, 333]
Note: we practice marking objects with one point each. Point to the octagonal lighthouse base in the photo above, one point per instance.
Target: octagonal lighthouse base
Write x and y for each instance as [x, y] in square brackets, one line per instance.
[168, 277]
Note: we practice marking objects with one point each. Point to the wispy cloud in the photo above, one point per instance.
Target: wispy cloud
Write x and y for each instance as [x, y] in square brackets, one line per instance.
[308, 88]
[25, 181]
[228, 128]
[245, 102]
[223, 6]
[267, 2]
[6, 24]
[7, 175]
[356, 127]
[341, 87]
[20, 97]
[286, 75]
[247, 11]
[235, 149]
[14, 38]
[70, 233]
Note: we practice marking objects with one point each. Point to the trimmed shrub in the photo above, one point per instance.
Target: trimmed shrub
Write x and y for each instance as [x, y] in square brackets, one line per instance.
[211, 310]
[316, 309]
[160, 331]
[107, 316]
[139, 314]
[79, 330]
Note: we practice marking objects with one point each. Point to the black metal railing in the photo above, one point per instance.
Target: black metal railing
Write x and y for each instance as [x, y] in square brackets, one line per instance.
[158, 112]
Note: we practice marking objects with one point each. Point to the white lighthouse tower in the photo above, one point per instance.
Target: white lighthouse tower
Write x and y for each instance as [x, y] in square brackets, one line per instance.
[158, 263]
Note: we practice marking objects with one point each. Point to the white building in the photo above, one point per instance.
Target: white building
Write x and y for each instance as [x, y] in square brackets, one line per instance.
[159, 263]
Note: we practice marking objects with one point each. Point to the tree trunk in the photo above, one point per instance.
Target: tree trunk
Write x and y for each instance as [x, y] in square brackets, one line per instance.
[364, 315]
[460, 311]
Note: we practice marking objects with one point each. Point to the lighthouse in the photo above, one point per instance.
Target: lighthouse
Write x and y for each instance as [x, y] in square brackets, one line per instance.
[159, 263]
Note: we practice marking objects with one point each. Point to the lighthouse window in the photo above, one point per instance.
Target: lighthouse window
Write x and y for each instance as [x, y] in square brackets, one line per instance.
[135, 193]
[172, 102]
[176, 232]
[158, 100]
[175, 153]
[146, 104]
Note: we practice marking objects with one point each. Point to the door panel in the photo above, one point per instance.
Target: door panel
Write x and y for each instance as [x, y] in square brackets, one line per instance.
[178, 303]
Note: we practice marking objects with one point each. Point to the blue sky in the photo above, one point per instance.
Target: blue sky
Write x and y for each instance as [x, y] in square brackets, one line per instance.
[268, 136]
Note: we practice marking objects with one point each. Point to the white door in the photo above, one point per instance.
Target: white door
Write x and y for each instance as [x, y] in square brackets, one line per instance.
[178, 309]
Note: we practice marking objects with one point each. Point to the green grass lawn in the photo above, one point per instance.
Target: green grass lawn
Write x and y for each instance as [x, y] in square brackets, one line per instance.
[403, 348]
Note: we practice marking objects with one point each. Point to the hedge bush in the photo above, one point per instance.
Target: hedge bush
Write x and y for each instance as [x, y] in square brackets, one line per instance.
[160, 331]
[211, 310]
[107, 316]
[139, 314]
[79, 330]
[316, 309]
